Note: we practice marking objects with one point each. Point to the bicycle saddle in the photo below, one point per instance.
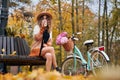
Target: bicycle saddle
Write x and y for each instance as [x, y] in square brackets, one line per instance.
[88, 42]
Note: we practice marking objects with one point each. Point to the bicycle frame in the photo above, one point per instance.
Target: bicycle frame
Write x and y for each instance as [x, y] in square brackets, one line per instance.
[77, 52]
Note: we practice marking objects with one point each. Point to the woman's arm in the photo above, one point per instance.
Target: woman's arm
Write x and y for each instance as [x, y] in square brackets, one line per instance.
[38, 33]
[38, 37]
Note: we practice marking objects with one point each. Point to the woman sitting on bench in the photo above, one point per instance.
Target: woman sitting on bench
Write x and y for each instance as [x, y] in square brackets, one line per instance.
[42, 45]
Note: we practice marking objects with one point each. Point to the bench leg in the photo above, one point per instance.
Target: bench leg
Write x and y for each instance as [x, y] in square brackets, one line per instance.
[3, 68]
[14, 69]
[30, 69]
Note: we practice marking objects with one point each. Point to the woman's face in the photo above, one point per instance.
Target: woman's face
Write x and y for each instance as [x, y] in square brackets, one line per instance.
[44, 21]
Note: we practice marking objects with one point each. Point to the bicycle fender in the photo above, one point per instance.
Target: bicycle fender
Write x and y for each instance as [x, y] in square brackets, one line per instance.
[73, 56]
[106, 56]
[102, 52]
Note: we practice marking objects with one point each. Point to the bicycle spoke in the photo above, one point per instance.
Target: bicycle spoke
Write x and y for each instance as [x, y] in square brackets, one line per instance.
[69, 68]
[97, 61]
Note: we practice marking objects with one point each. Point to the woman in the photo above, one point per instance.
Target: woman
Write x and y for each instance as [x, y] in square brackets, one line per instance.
[42, 45]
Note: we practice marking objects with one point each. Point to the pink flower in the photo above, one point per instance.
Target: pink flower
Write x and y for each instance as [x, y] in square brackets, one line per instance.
[64, 40]
[63, 34]
[58, 39]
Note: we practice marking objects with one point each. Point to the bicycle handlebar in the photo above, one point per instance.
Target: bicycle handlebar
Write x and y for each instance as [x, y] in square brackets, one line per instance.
[73, 36]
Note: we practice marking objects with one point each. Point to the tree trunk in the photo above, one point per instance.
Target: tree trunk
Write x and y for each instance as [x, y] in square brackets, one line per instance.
[72, 16]
[3, 16]
[83, 4]
[77, 25]
[103, 26]
[99, 23]
[60, 27]
[114, 27]
[106, 21]
[115, 56]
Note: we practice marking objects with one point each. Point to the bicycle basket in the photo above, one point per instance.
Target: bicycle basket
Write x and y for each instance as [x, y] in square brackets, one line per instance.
[69, 45]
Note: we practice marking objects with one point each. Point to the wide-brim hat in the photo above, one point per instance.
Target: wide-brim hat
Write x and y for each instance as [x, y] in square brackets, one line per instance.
[42, 14]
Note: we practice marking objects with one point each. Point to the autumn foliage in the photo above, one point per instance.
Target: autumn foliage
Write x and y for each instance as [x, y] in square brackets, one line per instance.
[111, 72]
[40, 74]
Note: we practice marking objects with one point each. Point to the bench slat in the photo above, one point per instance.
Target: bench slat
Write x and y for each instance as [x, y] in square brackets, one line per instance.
[15, 46]
[8, 46]
[4, 45]
[12, 44]
[1, 45]
[21, 45]
[18, 46]
[26, 47]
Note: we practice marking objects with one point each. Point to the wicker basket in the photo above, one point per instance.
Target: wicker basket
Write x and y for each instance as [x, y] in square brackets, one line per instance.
[69, 45]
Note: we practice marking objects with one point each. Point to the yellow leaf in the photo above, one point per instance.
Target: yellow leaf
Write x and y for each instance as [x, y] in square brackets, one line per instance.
[3, 50]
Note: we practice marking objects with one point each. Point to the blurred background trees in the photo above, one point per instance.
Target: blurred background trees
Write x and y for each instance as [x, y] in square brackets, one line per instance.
[96, 19]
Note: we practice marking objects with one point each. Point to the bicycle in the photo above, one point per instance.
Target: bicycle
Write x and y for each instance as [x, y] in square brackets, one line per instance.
[76, 64]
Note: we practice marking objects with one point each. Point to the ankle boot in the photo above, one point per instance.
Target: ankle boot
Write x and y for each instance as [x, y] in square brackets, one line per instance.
[58, 69]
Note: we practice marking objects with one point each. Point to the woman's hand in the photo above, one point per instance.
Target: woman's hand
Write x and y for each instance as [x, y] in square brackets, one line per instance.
[49, 43]
[45, 45]
[42, 30]
[38, 37]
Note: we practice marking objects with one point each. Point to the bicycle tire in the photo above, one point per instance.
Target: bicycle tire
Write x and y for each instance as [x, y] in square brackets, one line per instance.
[67, 67]
[98, 62]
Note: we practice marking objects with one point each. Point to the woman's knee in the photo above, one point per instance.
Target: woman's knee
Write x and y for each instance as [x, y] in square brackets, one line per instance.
[48, 56]
[52, 49]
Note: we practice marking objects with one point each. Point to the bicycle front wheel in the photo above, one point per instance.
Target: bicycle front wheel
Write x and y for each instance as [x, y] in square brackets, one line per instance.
[73, 66]
[98, 61]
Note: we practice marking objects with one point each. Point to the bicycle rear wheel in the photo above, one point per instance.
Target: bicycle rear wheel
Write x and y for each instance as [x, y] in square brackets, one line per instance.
[98, 61]
[69, 69]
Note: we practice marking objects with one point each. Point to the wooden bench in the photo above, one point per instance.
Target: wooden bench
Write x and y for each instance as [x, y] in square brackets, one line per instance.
[14, 51]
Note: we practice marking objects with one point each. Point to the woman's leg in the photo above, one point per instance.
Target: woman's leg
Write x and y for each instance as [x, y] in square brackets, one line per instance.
[50, 50]
[48, 57]
[53, 58]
